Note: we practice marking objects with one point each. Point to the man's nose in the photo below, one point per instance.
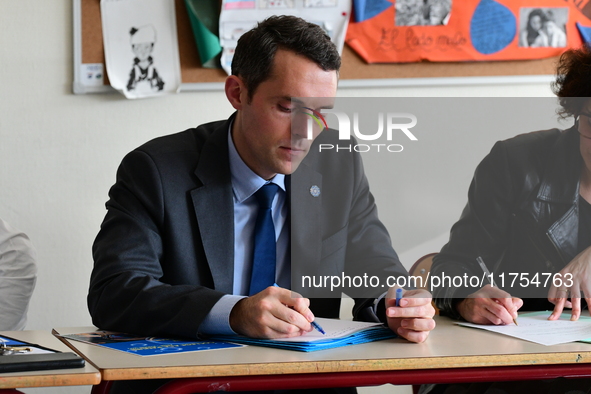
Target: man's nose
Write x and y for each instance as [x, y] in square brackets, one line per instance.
[299, 127]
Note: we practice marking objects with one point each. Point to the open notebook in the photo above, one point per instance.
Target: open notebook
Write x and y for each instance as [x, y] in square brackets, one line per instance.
[338, 333]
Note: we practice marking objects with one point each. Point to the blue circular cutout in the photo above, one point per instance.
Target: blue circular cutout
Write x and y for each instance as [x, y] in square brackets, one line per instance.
[492, 28]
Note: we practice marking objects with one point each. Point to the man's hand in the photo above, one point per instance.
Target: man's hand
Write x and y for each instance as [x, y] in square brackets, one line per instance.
[272, 313]
[413, 319]
[575, 279]
[489, 305]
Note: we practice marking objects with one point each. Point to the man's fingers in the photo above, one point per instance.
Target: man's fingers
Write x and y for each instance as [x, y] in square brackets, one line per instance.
[415, 303]
[279, 321]
[271, 313]
[298, 303]
[412, 336]
[292, 317]
[411, 301]
[424, 311]
[418, 324]
[413, 318]
[289, 307]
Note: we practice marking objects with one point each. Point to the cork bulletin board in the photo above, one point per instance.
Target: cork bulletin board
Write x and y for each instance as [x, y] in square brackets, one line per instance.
[89, 61]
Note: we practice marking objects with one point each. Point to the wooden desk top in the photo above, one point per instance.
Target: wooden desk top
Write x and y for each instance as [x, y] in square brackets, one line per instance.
[56, 377]
[448, 346]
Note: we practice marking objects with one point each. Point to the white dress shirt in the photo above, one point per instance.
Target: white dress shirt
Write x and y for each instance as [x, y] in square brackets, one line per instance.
[244, 184]
[18, 273]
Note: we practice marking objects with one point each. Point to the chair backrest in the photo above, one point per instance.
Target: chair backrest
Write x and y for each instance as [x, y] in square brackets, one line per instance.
[421, 268]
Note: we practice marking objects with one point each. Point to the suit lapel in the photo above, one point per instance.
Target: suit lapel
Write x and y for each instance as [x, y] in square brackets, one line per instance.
[213, 206]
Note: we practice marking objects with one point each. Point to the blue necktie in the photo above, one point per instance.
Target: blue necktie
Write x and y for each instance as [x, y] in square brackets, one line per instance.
[264, 256]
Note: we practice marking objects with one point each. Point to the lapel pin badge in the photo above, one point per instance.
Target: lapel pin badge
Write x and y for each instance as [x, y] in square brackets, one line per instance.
[315, 191]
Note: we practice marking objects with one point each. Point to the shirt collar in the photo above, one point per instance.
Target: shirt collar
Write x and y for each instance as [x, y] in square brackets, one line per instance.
[244, 181]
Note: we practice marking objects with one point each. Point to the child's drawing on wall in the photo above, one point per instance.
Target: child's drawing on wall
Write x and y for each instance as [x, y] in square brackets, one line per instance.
[143, 75]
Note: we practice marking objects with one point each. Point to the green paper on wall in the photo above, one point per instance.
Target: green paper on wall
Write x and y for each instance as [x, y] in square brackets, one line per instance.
[204, 17]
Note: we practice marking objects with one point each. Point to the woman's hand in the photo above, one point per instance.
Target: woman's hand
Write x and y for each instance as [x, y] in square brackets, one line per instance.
[489, 305]
[575, 279]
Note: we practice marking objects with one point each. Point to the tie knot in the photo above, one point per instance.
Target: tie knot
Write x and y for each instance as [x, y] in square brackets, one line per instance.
[266, 194]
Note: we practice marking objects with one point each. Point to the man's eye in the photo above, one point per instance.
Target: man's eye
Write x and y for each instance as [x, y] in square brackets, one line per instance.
[284, 109]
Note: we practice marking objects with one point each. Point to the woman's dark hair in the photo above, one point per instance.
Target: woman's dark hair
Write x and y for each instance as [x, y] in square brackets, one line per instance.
[573, 81]
[255, 51]
[531, 33]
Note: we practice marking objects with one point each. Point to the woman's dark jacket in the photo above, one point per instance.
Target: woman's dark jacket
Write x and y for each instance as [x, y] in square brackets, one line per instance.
[521, 218]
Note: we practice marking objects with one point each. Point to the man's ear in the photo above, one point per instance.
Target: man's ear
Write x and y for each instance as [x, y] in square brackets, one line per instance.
[236, 92]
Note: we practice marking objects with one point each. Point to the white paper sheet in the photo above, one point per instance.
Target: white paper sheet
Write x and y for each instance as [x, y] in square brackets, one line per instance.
[535, 327]
[239, 16]
[141, 46]
[334, 328]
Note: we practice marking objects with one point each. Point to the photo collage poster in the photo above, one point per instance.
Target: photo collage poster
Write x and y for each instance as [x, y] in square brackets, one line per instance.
[399, 31]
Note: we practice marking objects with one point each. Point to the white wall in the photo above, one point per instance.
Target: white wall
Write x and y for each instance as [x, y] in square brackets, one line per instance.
[59, 151]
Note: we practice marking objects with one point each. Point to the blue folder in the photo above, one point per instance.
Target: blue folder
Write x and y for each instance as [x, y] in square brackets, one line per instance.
[356, 333]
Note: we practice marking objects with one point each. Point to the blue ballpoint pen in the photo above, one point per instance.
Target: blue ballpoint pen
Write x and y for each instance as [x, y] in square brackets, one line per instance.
[398, 296]
[317, 326]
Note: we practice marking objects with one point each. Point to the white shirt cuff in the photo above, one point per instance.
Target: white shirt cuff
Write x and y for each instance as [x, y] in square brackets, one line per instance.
[217, 320]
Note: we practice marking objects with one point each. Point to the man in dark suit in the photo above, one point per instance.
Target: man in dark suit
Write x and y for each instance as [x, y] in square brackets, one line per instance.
[174, 253]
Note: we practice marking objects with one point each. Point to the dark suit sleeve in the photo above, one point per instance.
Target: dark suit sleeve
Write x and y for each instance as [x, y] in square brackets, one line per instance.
[369, 248]
[137, 285]
[354, 244]
[369, 245]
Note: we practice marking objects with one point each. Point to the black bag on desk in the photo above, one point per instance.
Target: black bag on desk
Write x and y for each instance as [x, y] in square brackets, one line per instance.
[20, 362]
[38, 362]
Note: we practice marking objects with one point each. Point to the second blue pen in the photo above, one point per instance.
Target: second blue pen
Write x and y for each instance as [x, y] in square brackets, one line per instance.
[398, 296]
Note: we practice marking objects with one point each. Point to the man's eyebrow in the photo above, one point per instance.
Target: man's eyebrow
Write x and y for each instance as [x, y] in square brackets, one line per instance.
[300, 102]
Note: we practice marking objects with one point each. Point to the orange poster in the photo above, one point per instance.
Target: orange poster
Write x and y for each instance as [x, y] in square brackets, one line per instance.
[397, 31]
